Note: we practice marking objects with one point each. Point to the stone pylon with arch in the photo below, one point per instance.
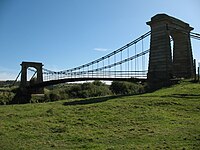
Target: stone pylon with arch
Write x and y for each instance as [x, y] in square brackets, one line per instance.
[39, 79]
[165, 63]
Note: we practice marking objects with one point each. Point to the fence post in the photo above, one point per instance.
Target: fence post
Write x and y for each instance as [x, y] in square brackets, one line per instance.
[195, 74]
[198, 75]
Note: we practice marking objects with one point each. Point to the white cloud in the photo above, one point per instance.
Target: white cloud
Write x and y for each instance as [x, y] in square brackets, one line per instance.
[101, 49]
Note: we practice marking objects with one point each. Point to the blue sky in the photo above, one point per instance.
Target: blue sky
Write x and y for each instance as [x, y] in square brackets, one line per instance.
[63, 34]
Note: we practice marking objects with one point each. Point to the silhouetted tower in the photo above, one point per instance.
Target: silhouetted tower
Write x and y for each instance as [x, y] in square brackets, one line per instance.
[39, 79]
[163, 65]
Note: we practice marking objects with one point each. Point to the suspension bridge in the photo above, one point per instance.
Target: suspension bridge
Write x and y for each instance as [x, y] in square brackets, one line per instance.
[159, 55]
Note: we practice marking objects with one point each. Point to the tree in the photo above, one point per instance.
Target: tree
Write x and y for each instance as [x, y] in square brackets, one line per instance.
[121, 88]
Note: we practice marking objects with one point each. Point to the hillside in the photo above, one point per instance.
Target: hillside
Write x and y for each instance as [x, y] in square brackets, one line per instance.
[166, 119]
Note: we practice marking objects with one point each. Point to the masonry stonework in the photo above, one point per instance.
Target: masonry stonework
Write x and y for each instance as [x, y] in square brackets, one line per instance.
[165, 63]
[39, 79]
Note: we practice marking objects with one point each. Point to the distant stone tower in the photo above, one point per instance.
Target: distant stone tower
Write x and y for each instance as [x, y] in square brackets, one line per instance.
[166, 63]
[39, 79]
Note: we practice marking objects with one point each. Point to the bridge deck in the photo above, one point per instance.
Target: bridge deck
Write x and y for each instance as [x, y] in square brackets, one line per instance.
[53, 82]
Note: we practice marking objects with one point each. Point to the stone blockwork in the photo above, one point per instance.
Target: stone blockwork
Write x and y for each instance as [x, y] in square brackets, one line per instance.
[165, 63]
[24, 82]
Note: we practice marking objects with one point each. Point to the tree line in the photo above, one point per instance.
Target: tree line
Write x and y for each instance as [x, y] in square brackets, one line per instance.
[84, 90]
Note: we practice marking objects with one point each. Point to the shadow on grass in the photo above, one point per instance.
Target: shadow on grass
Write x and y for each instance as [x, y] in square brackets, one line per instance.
[91, 100]
[189, 96]
[186, 96]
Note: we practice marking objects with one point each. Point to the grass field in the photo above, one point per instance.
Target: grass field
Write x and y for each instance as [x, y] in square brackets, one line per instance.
[166, 119]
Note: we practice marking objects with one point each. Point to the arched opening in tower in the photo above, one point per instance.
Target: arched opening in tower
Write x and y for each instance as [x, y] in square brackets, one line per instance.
[31, 75]
[172, 47]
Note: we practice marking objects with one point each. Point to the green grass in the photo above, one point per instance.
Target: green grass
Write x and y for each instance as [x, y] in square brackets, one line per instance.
[166, 119]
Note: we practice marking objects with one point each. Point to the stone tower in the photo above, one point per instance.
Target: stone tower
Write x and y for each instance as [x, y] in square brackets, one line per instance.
[39, 79]
[165, 62]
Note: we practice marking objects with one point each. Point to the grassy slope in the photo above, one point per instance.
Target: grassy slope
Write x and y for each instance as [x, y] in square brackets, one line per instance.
[166, 119]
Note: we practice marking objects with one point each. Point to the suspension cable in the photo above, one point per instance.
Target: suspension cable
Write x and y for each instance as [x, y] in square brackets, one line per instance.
[107, 56]
[119, 62]
[17, 78]
[33, 75]
[195, 35]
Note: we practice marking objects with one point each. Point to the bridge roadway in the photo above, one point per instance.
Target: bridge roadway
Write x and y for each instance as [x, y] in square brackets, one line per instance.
[54, 82]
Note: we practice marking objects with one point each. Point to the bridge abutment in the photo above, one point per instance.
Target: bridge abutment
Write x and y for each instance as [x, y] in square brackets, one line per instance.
[166, 63]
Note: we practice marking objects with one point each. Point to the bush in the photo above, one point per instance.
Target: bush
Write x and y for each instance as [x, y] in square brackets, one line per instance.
[6, 97]
[54, 96]
[37, 98]
[121, 88]
[74, 91]
[86, 90]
